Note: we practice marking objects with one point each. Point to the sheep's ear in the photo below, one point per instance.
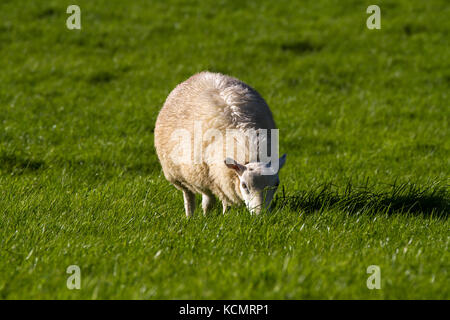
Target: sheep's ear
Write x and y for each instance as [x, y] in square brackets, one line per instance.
[232, 164]
[282, 161]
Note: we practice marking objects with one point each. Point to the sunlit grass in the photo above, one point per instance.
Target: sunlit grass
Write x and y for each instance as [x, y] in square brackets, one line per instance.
[363, 117]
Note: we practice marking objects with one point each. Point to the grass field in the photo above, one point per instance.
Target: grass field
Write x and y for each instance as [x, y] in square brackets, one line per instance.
[363, 116]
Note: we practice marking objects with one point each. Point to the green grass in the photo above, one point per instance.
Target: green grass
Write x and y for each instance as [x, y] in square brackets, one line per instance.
[363, 116]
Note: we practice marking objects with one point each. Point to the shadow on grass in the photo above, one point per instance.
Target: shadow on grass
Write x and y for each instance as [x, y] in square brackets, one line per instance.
[14, 163]
[300, 47]
[395, 199]
[96, 168]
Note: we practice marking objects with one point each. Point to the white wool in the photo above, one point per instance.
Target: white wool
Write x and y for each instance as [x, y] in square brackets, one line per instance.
[218, 102]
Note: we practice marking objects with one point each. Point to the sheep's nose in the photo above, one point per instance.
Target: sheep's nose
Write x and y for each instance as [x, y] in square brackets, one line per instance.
[256, 210]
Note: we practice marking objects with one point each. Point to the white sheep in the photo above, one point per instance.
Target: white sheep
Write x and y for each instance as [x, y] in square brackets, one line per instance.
[219, 104]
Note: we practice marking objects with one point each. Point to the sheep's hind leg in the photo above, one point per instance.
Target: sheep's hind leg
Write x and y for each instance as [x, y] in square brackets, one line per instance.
[189, 202]
[208, 201]
[188, 196]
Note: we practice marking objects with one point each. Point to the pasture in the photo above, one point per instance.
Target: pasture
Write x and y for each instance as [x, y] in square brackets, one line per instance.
[363, 117]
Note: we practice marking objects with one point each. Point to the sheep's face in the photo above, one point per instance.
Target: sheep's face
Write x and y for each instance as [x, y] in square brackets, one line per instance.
[257, 189]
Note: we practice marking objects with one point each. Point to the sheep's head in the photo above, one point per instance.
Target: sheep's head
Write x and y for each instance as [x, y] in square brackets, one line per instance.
[258, 182]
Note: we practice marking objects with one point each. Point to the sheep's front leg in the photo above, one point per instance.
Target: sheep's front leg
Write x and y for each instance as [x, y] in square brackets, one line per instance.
[224, 207]
[189, 202]
[208, 201]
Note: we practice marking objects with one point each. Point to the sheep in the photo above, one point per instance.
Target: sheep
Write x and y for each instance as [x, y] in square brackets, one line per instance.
[220, 104]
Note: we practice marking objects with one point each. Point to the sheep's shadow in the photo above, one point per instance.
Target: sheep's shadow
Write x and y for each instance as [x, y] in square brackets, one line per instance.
[395, 199]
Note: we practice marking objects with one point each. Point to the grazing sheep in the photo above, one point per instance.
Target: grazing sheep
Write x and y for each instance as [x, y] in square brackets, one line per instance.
[220, 105]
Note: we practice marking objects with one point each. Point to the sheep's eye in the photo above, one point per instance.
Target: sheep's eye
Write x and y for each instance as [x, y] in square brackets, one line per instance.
[244, 185]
